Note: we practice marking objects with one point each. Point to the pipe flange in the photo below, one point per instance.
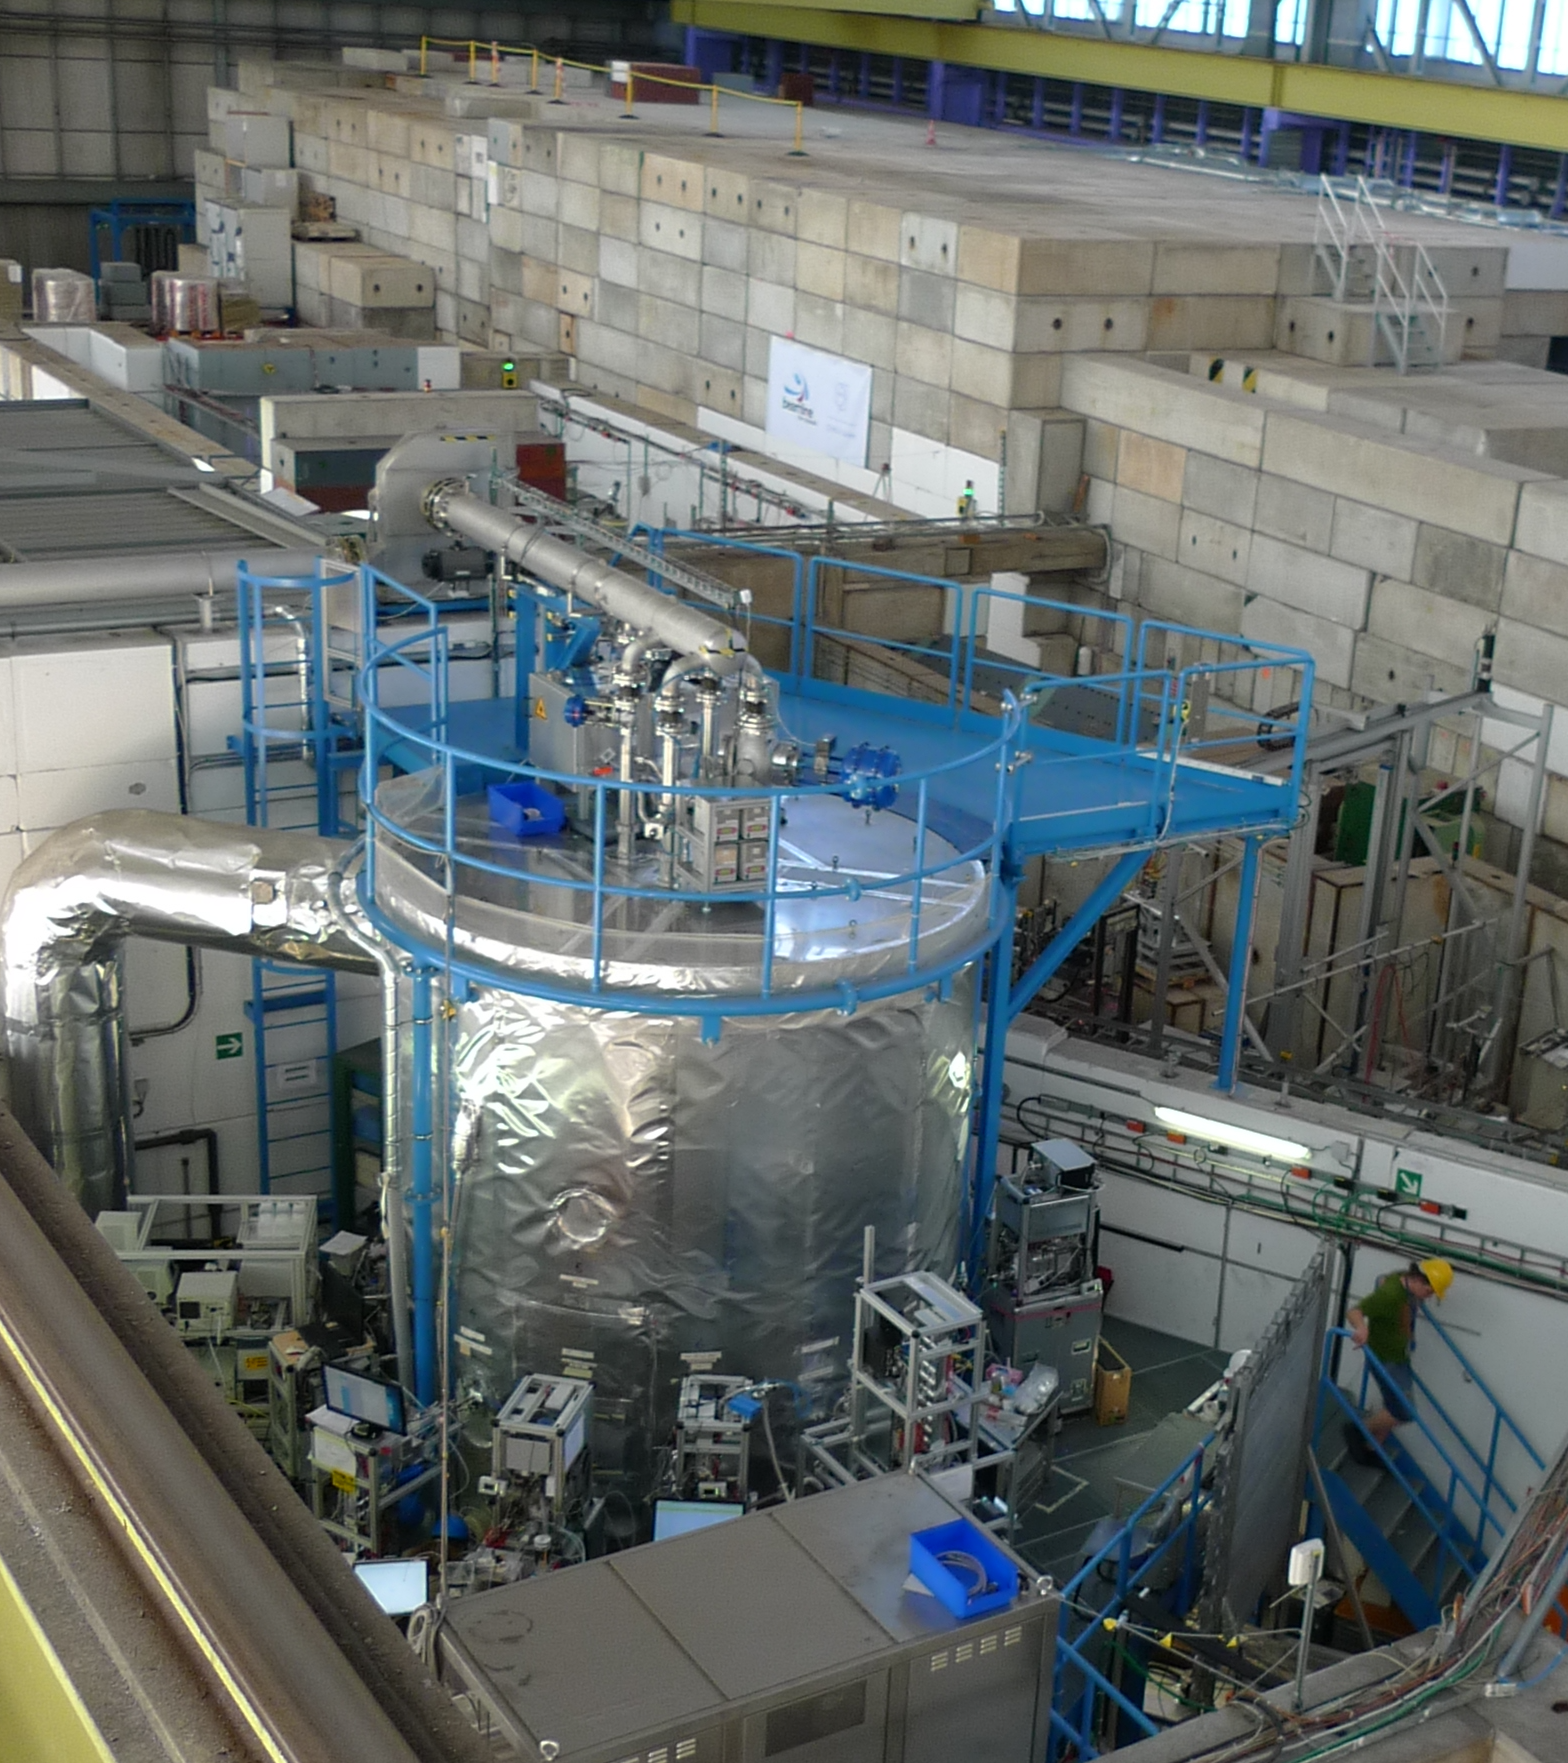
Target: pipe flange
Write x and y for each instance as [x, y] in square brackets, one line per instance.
[433, 503]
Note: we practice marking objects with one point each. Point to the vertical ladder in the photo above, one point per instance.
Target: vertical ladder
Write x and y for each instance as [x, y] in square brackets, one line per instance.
[300, 736]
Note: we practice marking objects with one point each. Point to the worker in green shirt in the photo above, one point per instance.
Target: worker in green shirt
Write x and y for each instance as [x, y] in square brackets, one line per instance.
[1384, 1321]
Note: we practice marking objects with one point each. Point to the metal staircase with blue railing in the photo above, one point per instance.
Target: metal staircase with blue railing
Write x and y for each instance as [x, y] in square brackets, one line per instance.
[300, 739]
[1424, 1511]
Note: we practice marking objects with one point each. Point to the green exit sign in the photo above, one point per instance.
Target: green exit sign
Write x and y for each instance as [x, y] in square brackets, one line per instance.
[230, 1047]
[1407, 1184]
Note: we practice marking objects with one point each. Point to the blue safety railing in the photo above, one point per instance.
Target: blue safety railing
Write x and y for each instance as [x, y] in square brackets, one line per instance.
[1453, 1486]
[1502, 1423]
[1148, 708]
[1083, 1694]
[419, 737]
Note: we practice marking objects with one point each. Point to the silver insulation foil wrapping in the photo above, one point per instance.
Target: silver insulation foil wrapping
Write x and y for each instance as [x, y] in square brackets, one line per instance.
[64, 296]
[527, 921]
[66, 914]
[186, 305]
[635, 1204]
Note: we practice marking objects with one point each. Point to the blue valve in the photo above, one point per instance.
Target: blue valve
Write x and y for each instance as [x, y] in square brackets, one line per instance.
[575, 710]
[867, 775]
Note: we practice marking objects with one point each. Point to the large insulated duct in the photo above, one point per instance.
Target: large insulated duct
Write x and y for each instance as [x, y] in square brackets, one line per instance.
[65, 916]
[676, 623]
[163, 576]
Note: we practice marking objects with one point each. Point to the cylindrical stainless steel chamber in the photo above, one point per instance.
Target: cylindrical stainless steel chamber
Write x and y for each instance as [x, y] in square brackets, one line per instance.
[636, 1202]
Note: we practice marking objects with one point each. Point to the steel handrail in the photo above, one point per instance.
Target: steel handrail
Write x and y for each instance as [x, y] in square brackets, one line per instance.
[1445, 1542]
[1456, 1476]
[1120, 1545]
[1482, 1385]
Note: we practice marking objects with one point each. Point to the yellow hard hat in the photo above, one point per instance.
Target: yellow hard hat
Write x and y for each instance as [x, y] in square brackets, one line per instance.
[1439, 1275]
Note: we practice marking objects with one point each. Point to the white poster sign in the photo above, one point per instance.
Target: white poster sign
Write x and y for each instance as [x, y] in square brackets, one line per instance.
[820, 401]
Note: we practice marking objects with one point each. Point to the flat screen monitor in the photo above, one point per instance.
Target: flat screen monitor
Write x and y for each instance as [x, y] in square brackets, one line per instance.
[397, 1586]
[673, 1518]
[364, 1398]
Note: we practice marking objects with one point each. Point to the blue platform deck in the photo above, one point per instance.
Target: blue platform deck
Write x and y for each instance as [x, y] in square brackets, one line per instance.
[1076, 794]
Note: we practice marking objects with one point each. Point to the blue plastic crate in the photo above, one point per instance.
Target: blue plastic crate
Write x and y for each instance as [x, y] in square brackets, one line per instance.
[954, 1584]
[528, 810]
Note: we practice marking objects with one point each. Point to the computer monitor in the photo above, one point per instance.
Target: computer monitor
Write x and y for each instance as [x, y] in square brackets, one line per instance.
[364, 1398]
[397, 1586]
[673, 1518]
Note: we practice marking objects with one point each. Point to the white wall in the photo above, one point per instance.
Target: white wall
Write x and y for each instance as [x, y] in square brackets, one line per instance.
[1214, 1274]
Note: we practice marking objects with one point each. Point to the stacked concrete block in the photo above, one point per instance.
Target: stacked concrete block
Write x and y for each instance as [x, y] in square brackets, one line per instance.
[1387, 555]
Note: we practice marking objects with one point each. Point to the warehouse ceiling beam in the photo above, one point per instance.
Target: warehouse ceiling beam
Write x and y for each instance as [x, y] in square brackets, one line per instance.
[1509, 114]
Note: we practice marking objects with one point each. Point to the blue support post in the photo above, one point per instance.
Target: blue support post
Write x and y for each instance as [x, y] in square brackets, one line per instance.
[999, 100]
[774, 65]
[1342, 151]
[1118, 101]
[898, 79]
[1445, 178]
[421, 1187]
[1037, 104]
[1505, 166]
[988, 1137]
[936, 80]
[863, 86]
[1157, 121]
[1561, 196]
[1200, 134]
[1240, 960]
[1075, 123]
[1246, 136]
[1076, 928]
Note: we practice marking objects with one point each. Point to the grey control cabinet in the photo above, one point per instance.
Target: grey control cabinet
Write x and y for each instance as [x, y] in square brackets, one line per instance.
[788, 1634]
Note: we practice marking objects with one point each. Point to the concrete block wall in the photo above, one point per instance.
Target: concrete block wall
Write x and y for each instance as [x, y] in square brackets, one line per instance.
[665, 270]
[1386, 555]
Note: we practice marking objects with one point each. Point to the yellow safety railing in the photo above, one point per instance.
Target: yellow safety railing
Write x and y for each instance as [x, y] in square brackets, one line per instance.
[498, 51]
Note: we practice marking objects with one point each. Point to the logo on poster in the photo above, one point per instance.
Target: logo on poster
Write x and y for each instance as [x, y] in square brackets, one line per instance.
[797, 398]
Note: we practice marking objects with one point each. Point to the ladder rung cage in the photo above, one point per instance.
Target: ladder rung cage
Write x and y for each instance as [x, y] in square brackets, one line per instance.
[302, 748]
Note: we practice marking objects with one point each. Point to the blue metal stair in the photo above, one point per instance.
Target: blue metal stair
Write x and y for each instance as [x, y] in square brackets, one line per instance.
[1403, 1519]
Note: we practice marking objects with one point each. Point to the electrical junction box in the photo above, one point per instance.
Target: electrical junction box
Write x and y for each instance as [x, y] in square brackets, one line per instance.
[206, 1304]
[554, 744]
[723, 844]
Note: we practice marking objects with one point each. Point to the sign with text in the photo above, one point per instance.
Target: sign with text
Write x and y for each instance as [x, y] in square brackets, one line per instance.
[820, 401]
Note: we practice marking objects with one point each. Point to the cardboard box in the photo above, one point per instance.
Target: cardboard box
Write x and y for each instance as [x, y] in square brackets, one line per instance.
[1112, 1385]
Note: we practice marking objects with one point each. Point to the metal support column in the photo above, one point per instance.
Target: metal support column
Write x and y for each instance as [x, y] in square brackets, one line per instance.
[1511, 957]
[1240, 959]
[1285, 1010]
[988, 1135]
[421, 1187]
[1166, 898]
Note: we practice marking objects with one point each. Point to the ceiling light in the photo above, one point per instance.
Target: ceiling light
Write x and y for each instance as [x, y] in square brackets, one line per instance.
[1221, 1132]
[204, 465]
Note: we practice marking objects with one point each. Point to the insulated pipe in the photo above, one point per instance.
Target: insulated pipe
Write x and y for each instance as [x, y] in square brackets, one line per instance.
[65, 916]
[344, 902]
[87, 579]
[675, 623]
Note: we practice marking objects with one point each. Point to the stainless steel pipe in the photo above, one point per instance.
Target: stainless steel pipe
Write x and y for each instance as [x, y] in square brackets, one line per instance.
[674, 623]
[66, 914]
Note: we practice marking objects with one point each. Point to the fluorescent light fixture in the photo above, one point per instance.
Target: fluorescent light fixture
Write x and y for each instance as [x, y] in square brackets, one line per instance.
[204, 465]
[1243, 1138]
